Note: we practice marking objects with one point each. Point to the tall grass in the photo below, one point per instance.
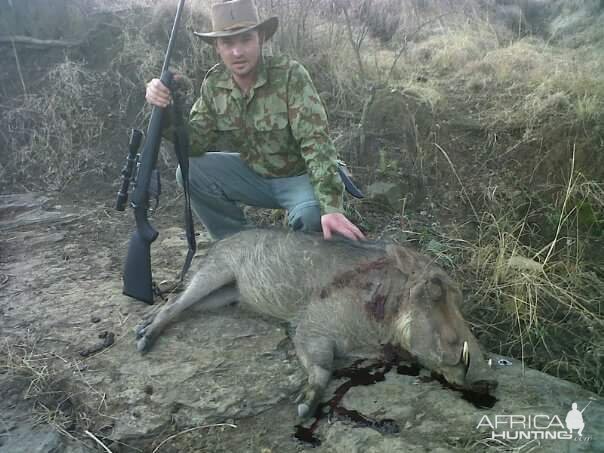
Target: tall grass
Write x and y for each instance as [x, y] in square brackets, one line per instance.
[539, 292]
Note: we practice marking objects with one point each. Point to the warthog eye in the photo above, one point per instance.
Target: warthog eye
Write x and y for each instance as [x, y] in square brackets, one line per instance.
[435, 289]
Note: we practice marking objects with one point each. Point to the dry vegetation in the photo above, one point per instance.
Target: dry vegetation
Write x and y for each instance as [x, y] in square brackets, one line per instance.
[51, 134]
[32, 373]
[522, 79]
[539, 288]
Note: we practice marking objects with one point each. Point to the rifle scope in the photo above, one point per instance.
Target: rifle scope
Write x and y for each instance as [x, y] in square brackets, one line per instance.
[136, 137]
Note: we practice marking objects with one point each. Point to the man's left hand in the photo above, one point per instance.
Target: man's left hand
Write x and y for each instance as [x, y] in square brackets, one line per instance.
[338, 223]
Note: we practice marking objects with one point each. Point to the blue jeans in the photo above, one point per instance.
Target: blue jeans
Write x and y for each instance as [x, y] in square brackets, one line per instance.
[220, 181]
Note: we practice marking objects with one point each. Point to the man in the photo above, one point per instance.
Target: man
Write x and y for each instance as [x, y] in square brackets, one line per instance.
[265, 121]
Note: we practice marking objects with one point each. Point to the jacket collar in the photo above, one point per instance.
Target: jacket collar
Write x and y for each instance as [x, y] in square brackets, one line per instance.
[226, 80]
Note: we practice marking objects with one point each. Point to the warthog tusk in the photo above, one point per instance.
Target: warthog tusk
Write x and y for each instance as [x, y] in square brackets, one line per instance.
[465, 354]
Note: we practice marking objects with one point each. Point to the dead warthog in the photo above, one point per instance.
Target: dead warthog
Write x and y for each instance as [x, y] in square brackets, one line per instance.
[342, 298]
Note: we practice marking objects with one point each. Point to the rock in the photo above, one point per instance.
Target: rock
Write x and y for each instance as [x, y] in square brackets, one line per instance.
[388, 193]
[398, 114]
[393, 122]
[27, 439]
[434, 418]
[27, 209]
[209, 368]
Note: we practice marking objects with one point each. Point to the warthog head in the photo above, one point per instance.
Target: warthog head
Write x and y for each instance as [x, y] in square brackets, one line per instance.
[430, 327]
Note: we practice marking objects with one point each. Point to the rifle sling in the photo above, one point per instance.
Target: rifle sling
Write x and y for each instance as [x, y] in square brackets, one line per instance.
[181, 148]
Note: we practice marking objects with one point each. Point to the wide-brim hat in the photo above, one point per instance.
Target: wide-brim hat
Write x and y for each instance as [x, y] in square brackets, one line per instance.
[234, 17]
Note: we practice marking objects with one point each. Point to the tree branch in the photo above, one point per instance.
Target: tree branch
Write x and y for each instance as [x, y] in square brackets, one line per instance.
[28, 41]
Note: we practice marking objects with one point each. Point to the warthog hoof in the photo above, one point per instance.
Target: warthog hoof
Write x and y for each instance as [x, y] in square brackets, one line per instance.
[144, 340]
[143, 345]
[141, 328]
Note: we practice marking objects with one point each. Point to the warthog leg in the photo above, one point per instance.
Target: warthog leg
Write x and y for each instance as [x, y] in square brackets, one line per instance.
[212, 287]
[316, 354]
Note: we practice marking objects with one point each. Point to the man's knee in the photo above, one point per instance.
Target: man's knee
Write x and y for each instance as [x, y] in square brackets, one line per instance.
[305, 217]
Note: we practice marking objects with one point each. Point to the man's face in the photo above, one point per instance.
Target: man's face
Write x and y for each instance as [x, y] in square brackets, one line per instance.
[240, 53]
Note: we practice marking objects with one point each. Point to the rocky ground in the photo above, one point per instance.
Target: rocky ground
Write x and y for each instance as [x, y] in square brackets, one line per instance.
[222, 382]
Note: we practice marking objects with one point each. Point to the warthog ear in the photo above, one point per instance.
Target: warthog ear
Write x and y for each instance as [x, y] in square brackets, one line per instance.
[407, 261]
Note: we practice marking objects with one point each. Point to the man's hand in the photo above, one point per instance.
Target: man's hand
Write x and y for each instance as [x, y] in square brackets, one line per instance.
[158, 94]
[338, 223]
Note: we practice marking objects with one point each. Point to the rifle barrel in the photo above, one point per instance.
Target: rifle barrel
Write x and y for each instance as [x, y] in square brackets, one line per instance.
[172, 37]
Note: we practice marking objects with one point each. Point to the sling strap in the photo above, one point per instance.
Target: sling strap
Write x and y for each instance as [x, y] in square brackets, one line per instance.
[181, 149]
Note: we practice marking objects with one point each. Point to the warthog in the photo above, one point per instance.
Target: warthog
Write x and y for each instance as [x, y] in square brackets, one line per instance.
[342, 298]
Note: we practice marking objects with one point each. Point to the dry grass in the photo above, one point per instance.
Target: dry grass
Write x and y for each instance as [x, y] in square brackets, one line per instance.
[54, 133]
[51, 134]
[540, 296]
[42, 384]
[540, 88]
[451, 52]
[526, 83]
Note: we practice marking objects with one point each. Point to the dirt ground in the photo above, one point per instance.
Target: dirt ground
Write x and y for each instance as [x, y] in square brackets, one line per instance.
[61, 279]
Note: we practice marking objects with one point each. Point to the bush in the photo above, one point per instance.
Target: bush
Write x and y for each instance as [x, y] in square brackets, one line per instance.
[52, 134]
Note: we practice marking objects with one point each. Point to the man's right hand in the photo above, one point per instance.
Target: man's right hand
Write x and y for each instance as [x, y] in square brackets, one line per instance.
[338, 223]
[158, 94]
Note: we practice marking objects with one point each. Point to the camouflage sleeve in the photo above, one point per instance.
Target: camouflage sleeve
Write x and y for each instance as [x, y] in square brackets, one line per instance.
[202, 123]
[308, 122]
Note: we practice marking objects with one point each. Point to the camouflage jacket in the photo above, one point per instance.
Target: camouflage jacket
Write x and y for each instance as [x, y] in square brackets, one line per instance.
[279, 128]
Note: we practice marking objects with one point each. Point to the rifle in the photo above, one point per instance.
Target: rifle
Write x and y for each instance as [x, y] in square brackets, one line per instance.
[138, 281]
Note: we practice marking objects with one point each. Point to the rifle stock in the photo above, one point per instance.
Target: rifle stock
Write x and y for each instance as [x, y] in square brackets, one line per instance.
[137, 277]
[139, 282]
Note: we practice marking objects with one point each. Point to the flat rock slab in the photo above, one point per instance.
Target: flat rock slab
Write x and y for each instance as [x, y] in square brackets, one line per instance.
[28, 209]
[207, 369]
[434, 418]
